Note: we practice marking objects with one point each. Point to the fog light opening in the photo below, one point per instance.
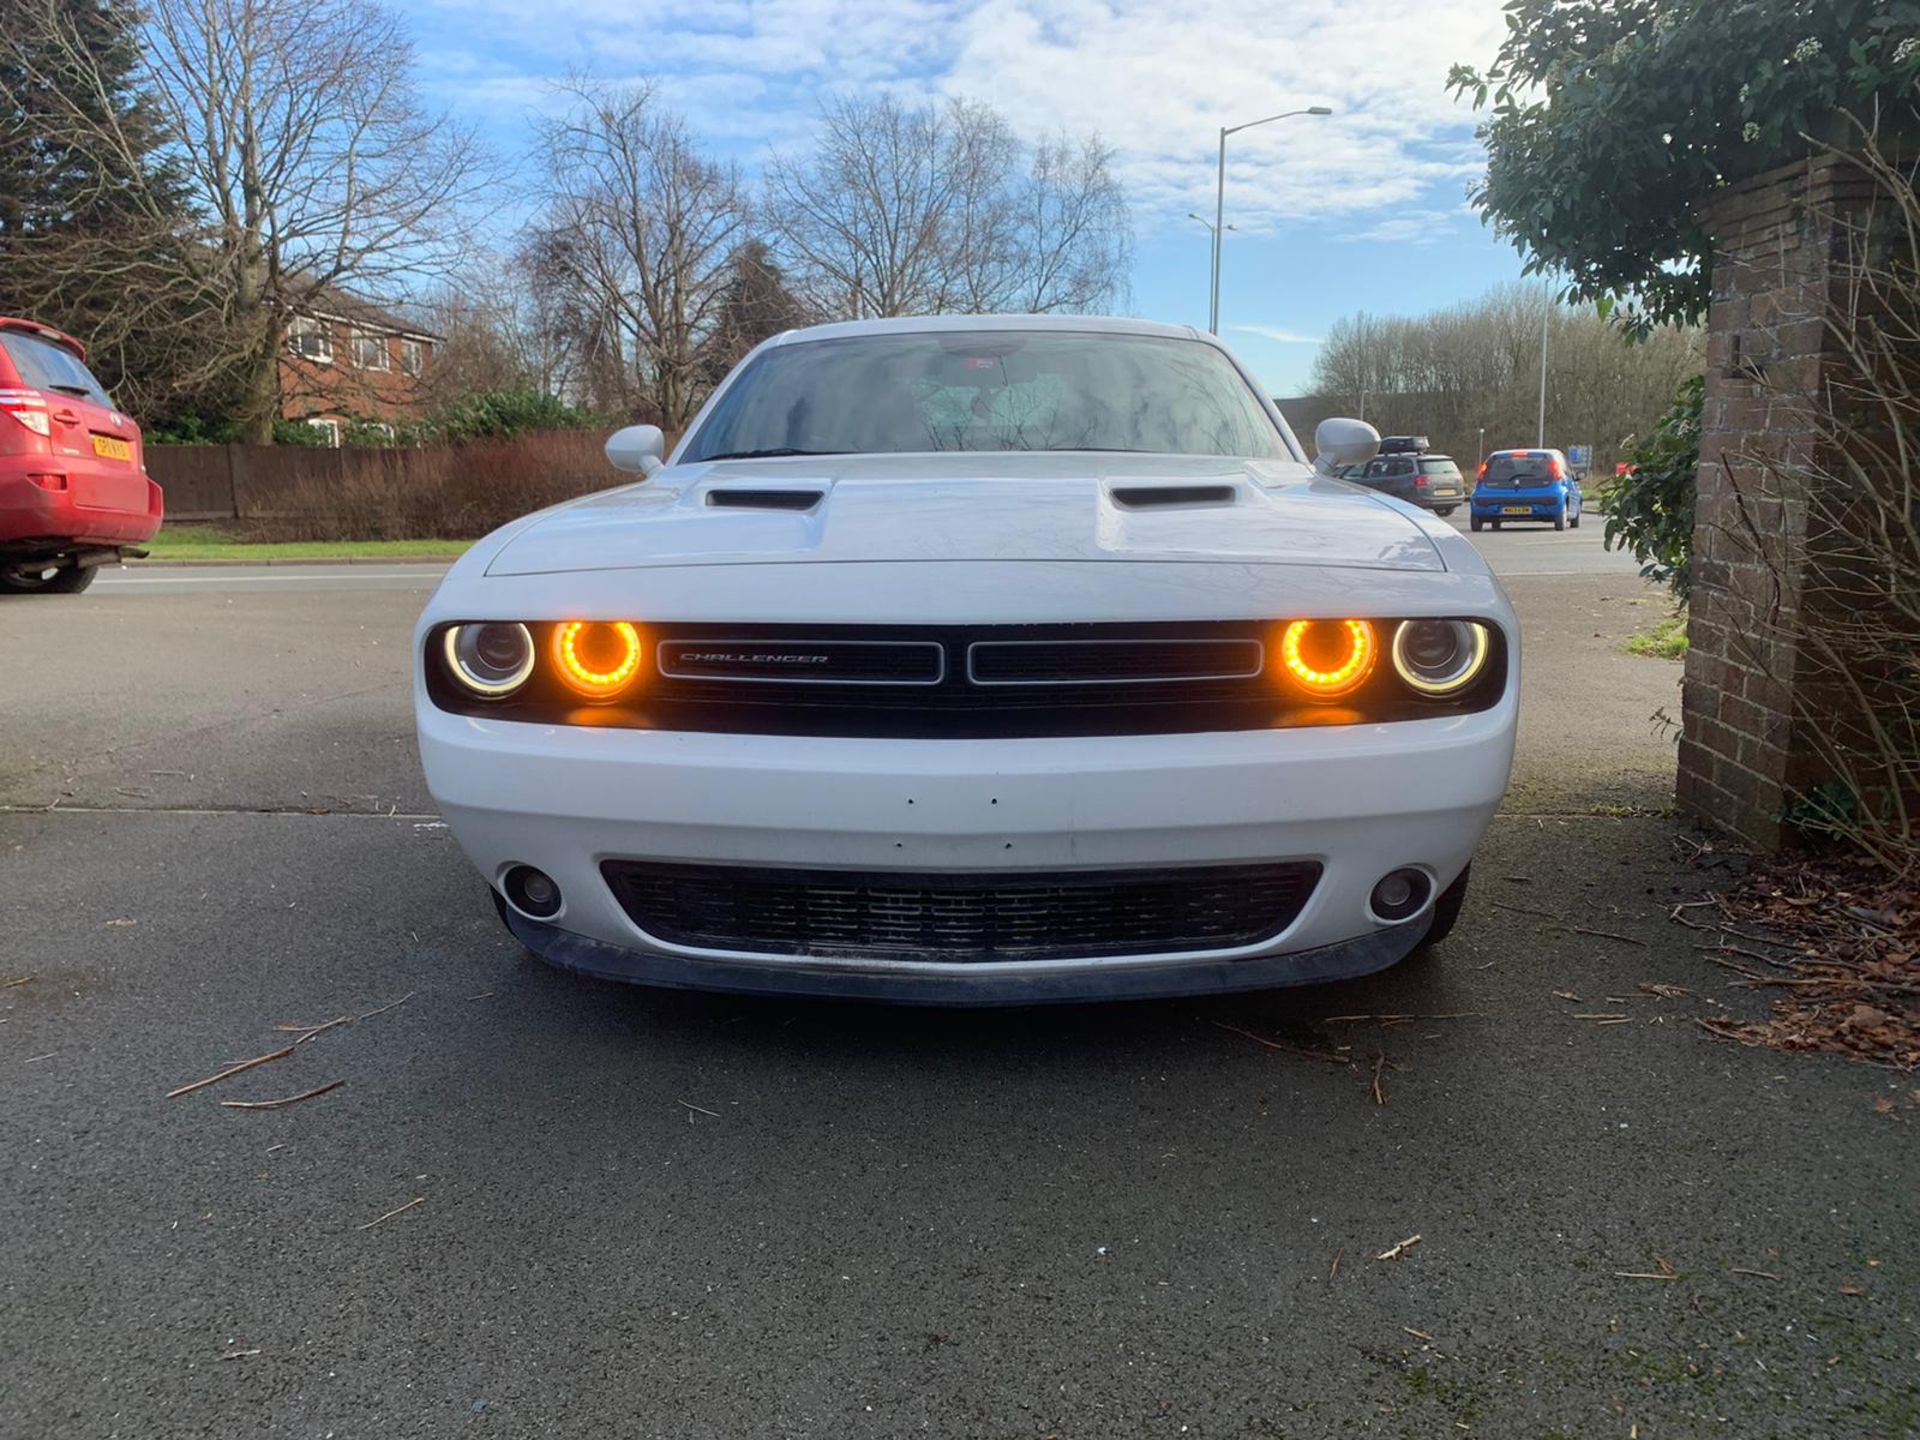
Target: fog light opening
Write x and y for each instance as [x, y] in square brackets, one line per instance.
[532, 892]
[1400, 895]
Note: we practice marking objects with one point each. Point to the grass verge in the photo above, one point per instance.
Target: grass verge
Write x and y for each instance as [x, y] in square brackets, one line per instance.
[1665, 639]
[206, 544]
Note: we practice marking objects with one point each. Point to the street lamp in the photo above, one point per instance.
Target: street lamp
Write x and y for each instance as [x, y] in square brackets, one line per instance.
[1220, 199]
[1212, 250]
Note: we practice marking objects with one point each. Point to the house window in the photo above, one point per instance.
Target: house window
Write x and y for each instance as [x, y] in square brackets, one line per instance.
[378, 429]
[310, 339]
[328, 428]
[413, 357]
[370, 351]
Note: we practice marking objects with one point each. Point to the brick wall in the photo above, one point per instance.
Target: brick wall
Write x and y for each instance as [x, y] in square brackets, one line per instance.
[1779, 247]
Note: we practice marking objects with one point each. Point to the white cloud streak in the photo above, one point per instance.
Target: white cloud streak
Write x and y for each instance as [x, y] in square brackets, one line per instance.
[1276, 333]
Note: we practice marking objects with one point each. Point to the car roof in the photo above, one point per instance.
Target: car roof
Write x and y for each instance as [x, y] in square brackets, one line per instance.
[45, 332]
[949, 324]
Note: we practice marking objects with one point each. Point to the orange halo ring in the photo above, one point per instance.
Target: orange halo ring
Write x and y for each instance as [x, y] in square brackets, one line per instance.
[592, 680]
[1363, 650]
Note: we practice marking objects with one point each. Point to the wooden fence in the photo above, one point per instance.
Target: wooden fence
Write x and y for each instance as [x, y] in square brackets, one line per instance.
[284, 482]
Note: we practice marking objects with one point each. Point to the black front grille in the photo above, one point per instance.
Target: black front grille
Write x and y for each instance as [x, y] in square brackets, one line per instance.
[961, 918]
[1095, 662]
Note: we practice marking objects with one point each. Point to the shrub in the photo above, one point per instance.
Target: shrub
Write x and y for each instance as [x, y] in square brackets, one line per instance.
[430, 493]
[1650, 511]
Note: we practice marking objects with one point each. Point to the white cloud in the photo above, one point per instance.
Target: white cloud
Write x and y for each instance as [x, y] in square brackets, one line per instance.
[1274, 332]
[1156, 78]
[1412, 227]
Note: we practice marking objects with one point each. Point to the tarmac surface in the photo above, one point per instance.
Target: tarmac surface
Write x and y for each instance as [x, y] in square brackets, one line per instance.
[542, 1206]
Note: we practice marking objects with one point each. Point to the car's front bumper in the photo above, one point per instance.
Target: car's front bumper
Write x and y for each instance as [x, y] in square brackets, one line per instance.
[1360, 800]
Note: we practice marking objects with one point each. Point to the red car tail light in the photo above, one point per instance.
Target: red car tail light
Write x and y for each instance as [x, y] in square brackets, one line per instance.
[1421, 480]
[1555, 471]
[49, 482]
[29, 407]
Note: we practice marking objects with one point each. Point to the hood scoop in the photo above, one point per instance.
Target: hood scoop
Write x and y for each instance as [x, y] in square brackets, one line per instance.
[739, 499]
[1162, 497]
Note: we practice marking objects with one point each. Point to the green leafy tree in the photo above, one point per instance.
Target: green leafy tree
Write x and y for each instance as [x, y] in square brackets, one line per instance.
[1609, 121]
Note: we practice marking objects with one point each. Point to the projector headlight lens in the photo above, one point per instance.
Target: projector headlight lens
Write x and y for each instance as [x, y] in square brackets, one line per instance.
[596, 658]
[1440, 657]
[492, 661]
[1327, 658]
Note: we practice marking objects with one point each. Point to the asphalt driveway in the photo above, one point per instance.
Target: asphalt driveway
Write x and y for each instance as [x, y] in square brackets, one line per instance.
[541, 1206]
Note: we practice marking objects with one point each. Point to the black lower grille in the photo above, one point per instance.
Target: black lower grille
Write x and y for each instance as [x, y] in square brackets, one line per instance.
[948, 918]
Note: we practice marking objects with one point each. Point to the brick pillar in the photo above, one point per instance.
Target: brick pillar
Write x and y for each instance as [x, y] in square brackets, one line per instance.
[1779, 244]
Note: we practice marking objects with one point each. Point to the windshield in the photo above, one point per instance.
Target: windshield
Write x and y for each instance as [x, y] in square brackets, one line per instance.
[1524, 469]
[47, 366]
[980, 390]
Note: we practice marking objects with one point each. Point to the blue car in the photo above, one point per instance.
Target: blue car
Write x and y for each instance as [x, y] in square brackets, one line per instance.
[1526, 485]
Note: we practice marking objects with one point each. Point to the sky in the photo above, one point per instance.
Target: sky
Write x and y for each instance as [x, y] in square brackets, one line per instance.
[1362, 210]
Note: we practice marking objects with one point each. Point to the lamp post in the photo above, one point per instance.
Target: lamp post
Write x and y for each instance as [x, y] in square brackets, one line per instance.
[1212, 250]
[1546, 314]
[1220, 199]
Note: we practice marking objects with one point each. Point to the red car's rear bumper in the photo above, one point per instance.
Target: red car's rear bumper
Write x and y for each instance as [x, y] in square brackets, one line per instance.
[33, 510]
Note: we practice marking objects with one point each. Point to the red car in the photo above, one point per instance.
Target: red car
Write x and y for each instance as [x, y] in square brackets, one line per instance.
[74, 492]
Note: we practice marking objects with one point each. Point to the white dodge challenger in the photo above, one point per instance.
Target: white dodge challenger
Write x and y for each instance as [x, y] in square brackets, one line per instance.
[974, 660]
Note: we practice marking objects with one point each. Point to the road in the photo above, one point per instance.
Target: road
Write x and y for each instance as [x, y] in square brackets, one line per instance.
[540, 1206]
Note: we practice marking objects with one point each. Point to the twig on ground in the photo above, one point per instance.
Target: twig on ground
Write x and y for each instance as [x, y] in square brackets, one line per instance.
[238, 1354]
[1418, 1334]
[1379, 1064]
[236, 1069]
[1325, 1055]
[1398, 1250]
[1604, 1015]
[13, 983]
[307, 1032]
[1528, 910]
[397, 1210]
[1334, 1268]
[701, 1108]
[1401, 1019]
[279, 1104]
[1763, 1274]
[1609, 935]
[1642, 1275]
[384, 1008]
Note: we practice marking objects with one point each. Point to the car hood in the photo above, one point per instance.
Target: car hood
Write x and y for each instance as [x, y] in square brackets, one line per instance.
[973, 507]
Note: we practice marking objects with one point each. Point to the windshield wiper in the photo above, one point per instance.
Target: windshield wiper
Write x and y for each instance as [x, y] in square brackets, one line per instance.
[79, 392]
[777, 452]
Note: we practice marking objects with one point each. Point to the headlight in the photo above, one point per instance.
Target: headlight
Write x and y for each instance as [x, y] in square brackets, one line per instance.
[1439, 657]
[1328, 657]
[492, 661]
[596, 658]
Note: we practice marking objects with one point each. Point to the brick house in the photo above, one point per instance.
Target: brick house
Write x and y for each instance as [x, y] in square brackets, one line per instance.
[348, 362]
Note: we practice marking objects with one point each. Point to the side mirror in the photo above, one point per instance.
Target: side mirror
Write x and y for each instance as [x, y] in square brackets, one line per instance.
[1340, 443]
[640, 449]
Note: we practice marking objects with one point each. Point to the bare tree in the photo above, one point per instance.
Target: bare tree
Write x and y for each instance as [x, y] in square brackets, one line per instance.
[1454, 372]
[902, 209]
[635, 243]
[1072, 236]
[306, 156]
[865, 216]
